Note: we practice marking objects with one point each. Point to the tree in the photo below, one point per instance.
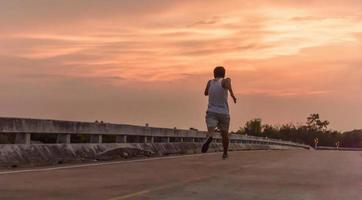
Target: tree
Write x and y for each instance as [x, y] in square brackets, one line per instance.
[352, 139]
[253, 127]
[270, 131]
[314, 123]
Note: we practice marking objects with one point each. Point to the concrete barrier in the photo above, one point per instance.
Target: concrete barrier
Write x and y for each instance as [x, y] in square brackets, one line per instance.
[24, 128]
[130, 141]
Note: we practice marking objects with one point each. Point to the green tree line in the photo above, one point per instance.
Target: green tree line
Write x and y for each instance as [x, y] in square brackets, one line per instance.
[306, 133]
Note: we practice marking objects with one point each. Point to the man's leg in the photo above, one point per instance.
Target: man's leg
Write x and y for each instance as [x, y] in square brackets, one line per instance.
[211, 131]
[224, 129]
[210, 134]
[225, 142]
[211, 123]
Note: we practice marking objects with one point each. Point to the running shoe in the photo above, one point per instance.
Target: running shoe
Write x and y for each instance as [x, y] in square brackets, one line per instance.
[206, 145]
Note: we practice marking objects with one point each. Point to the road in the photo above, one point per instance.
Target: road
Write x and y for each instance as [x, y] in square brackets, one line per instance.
[259, 175]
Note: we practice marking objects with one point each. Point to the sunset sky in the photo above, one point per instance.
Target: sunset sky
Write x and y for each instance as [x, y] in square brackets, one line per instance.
[146, 61]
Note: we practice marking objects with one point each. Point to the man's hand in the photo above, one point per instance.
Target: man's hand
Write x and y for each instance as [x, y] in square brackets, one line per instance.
[235, 99]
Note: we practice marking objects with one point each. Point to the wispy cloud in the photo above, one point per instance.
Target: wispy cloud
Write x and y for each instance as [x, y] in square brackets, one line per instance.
[281, 92]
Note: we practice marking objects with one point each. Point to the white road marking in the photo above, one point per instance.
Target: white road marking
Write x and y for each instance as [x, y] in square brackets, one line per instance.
[127, 196]
[163, 187]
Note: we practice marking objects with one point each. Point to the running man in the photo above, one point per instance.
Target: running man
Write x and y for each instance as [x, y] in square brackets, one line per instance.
[217, 115]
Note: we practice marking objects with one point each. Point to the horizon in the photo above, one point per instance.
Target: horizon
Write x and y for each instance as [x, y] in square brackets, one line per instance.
[148, 62]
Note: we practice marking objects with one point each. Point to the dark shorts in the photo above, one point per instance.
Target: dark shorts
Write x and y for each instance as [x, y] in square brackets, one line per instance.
[217, 120]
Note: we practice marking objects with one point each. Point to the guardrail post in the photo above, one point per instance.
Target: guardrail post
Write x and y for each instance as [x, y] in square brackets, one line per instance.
[22, 138]
[96, 139]
[63, 138]
[168, 139]
[121, 139]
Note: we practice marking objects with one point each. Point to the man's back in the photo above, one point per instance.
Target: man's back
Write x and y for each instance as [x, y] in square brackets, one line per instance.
[218, 97]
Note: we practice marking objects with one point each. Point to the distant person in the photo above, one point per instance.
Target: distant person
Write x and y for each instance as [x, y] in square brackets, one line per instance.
[217, 115]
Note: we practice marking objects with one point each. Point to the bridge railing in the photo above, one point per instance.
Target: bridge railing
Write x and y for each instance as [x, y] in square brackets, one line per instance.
[338, 148]
[23, 129]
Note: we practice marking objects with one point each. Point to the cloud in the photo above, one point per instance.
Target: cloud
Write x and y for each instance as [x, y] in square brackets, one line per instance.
[281, 92]
[287, 53]
[213, 20]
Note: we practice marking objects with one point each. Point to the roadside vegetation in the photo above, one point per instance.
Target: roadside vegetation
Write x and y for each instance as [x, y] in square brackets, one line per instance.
[313, 129]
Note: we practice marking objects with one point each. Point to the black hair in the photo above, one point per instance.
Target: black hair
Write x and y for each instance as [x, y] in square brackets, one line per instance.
[219, 72]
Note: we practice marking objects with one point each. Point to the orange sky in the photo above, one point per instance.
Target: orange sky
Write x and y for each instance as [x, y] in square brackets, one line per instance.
[148, 61]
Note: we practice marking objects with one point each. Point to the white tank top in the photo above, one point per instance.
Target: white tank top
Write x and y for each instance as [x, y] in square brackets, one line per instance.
[218, 97]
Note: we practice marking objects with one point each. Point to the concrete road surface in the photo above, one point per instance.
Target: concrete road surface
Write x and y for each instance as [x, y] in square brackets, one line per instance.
[279, 175]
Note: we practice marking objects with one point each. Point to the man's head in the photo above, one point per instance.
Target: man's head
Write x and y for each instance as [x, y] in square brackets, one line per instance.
[219, 72]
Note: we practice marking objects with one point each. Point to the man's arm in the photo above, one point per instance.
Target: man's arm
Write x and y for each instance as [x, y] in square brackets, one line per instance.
[207, 89]
[227, 85]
